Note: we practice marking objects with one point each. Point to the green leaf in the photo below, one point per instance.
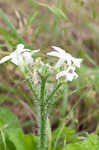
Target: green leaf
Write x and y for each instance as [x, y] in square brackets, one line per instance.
[66, 132]
[10, 25]
[9, 145]
[8, 120]
[8, 36]
[12, 137]
[37, 30]
[4, 97]
[90, 59]
[92, 142]
[15, 91]
[12, 28]
[65, 100]
[21, 141]
[31, 18]
[75, 147]
[55, 10]
[94, 11]
[3, 45]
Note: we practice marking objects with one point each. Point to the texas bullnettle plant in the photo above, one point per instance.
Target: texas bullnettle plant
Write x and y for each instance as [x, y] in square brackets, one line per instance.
[45, 80]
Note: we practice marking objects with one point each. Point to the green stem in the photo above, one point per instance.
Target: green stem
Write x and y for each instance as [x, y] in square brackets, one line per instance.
[43, 134]
[29, 84]
[53, 92]
[43, 117]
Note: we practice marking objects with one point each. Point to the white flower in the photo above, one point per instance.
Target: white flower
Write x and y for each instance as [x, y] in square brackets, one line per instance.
[69, 74]
[20, 56]
[77, 61]
[64, 57]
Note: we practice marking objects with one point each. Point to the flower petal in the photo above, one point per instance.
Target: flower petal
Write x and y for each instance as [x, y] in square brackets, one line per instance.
[76, 61]
[71, 76]
[22, 59]
[59, 63]
[54, 54]
[35, 51]
[15, 60]
[61, 54]
[20, 46]
[75, 75]
[60, 74]
[4, 59]
[58, 49]
[27, 58]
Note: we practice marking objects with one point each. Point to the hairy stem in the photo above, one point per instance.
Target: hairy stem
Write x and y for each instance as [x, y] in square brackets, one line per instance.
[43, 134]
[43, 117]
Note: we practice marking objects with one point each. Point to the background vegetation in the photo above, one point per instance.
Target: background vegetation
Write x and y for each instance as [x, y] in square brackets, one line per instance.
[71, 25]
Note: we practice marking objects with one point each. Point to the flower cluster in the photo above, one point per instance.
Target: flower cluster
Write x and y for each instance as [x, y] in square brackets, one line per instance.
[22, 57]
[38, 66]
[65, 59]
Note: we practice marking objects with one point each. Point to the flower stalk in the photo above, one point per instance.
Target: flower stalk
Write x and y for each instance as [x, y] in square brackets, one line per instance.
[43, 116]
